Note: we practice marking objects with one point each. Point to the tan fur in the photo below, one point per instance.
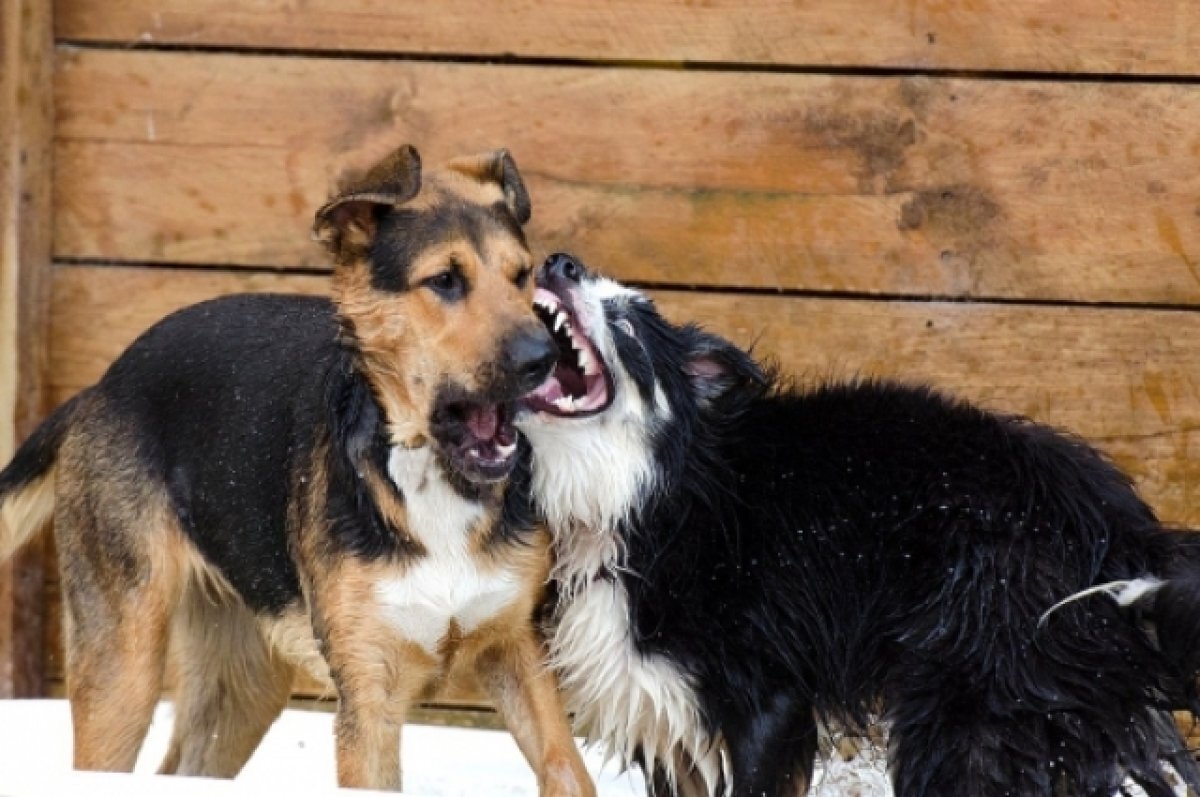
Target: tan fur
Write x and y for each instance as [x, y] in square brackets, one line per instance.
[472, 178]
[24, 513]
[231, 686]
[290, 637]
[124, 570]
[132, 581]
[413, 342]
[382, 676]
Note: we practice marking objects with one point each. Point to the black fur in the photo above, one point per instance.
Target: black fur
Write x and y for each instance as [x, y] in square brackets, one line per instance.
[821, 553]
[36, 455]
[225, 398]
[356, 436]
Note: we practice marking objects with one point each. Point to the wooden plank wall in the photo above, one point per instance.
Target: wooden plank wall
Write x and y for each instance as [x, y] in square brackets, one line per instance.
[26, 117]
[1000, 196]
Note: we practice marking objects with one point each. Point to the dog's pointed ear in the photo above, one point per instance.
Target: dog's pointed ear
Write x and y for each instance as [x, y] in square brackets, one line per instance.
[715, 366]
[349, 219]
[498, 167]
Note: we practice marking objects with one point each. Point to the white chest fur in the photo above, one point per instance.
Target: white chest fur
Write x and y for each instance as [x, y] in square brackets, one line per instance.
[629, 702]
[447, 584]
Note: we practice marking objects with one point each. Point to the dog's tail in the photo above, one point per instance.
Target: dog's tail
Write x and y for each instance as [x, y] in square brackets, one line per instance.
[1174, 606]
[1170, 604]
[27, 484]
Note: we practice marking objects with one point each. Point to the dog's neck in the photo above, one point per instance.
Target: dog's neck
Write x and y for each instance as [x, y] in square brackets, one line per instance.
[589, 482]
[439, 515]
[594, 484]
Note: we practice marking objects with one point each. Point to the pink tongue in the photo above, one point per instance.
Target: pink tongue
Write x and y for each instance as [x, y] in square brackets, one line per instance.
[550, 390]
[483, 422]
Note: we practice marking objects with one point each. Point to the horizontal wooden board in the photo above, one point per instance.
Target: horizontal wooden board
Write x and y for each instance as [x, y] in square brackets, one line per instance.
[1129, 380]
[1127, 36]
[907, 186]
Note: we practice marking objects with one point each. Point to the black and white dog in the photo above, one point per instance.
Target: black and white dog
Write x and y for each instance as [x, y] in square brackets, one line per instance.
[739, 560]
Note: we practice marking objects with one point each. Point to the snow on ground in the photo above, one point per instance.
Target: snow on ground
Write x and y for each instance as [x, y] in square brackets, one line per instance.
[297, 758]
[865, 775]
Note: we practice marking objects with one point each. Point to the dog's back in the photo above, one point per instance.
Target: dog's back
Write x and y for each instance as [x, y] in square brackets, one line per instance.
[216, 405]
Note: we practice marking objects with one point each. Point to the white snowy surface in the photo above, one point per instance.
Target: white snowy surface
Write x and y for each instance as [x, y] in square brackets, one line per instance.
[296, 757]
[865, 775]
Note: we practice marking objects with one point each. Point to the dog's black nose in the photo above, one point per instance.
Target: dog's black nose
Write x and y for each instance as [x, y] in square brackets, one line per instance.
[563, 266]
[529, 357]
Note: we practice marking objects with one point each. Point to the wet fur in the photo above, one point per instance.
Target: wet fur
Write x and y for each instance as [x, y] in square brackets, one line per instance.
[808, 555]
[223, 495]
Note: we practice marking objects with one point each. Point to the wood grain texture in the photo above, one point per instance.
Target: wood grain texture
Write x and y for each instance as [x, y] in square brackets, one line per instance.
[903, 186]
[26, 128]
[1126, 36]
[1128, 380]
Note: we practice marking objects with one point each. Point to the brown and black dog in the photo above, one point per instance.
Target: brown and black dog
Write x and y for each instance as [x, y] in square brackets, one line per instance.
[265, 482]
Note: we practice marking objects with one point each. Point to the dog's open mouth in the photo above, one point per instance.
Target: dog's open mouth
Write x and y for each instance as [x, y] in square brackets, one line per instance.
[479, 438]
[580, 384]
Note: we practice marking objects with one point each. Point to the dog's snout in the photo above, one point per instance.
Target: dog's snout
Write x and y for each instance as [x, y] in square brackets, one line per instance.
[530, 356]
[563, 266]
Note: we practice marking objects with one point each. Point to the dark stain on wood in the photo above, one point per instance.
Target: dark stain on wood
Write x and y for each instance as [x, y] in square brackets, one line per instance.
[879, 141]
[957, 211]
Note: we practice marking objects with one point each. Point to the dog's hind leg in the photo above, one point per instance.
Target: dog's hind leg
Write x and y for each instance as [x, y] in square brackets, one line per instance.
[772, 752]
[118, 600]
[950, 744]
[955, 733]
[230, 687]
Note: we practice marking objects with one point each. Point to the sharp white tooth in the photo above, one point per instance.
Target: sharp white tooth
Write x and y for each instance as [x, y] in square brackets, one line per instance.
[565, 403]
[506, 450]
[587, 361]
[560, 320]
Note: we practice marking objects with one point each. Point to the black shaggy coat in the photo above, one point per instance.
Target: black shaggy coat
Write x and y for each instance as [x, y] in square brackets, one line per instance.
[868, 546]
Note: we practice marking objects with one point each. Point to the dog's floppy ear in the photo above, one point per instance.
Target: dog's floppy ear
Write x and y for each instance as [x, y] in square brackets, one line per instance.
[349, 219]
[715, 366]
[500, 168]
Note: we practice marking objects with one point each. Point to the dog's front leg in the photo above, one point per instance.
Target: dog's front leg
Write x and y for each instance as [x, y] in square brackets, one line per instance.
[526, 692]
[377, 674]
[374, 693]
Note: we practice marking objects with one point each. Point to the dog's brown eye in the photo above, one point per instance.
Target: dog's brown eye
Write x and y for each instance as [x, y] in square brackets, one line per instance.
[522, 278]
[448, 284]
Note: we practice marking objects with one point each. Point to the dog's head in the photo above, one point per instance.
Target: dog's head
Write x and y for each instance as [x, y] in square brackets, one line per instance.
[627, 393]
[434, 287]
